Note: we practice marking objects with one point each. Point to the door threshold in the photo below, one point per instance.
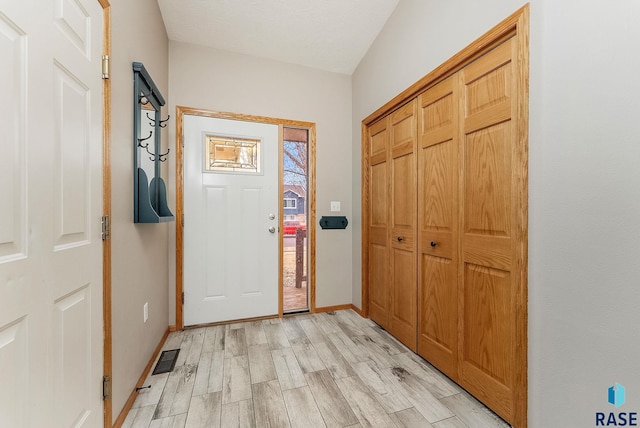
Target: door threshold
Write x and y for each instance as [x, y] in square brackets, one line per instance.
[297, 312]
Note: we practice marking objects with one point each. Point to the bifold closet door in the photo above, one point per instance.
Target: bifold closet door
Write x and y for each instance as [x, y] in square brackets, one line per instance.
[402, 144]
[438, 206]
[471, 185]
[379, 211]
[392, 223]
[493, 162]
[445, 197]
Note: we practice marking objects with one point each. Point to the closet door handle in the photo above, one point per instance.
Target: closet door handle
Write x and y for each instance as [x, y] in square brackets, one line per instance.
[433, 244]
[400, 239]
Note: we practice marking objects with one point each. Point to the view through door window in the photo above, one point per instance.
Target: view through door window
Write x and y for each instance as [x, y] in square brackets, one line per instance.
[295, 209]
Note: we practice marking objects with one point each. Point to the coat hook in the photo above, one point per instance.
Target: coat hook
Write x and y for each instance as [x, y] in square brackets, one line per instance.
[140, 140]
[152, 156]
[163, 157]
[152, 121]
[163, 122]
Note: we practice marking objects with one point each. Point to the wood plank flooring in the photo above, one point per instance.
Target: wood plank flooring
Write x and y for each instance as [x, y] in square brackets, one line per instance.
[332, 369]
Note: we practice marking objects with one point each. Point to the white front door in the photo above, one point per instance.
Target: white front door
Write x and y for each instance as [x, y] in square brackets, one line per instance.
[231, 220]
[51, 336]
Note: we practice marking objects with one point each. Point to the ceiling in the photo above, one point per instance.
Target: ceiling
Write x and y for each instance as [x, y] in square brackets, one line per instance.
[331, 35]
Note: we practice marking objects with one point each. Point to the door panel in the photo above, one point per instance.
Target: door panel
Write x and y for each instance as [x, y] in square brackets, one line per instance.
[72, 331]
[230, 252]
[488, 336]
[14, 372]
[487, 317]
[379, 292]
[487, 182]
[403, 308]
[51, 329]
[215, 211]
[403, 184]
[487, 332]
[404, 300]
[379, 196]
[438, 225]
[72, 168]
[379, 273]
[13, 120]
[438, 339]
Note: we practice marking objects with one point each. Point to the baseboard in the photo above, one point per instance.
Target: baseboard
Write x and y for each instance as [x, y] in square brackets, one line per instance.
[132, 397]
[333, 308]
[358, 311]
[173, 328]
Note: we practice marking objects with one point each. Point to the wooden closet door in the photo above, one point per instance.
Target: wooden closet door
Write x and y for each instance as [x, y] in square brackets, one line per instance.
[438, 172]
[403, 310]
[493, 178]
[379, 212]
[471, 182]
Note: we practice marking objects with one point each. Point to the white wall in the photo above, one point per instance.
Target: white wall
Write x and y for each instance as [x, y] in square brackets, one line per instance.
[584, 187]
[216, 80]
[139, 251]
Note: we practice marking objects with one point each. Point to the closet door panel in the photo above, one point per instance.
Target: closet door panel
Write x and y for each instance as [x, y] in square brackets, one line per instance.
[438, 226]
[379, 291]
[403, 311]
[379, 211]
[487, 331]
[487, 181]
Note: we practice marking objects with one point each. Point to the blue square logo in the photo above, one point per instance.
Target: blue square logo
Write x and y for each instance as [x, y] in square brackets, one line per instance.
[616, 395]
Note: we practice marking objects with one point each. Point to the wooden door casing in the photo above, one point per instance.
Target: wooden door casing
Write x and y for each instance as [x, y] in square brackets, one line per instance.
[438, 226]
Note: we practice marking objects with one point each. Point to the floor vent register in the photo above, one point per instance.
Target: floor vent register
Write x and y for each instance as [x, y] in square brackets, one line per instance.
[166, 362]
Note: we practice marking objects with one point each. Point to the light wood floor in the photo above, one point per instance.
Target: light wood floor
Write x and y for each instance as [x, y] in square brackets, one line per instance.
[323, 370]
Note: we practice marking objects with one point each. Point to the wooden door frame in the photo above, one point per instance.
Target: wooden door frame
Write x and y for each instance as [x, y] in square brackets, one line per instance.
[107, 351]
[181, 111]
[516, 26]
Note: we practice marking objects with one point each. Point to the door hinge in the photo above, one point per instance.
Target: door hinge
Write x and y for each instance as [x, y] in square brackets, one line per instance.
[106, 67]
[106, 387]
[183, 297]
[106, 227]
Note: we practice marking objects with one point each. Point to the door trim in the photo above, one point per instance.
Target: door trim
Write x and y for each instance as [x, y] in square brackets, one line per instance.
[181, 111]
[107, 351]
[516, 26]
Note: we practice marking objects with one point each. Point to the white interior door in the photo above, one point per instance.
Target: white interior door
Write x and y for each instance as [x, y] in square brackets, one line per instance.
[231, 223]
[51, 204]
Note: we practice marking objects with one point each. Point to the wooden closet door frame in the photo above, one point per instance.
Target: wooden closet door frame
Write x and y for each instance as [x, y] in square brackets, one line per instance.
[515, 26]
